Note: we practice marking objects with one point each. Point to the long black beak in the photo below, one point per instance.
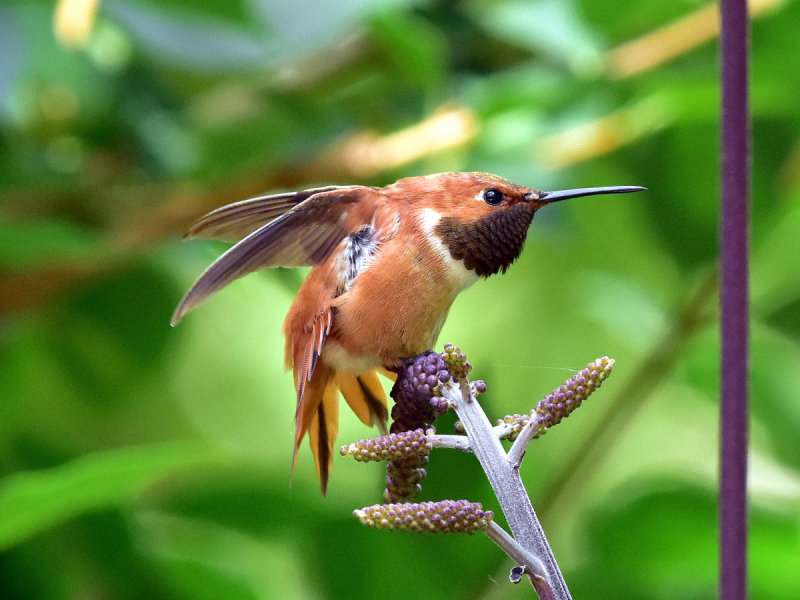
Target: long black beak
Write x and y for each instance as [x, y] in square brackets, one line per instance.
[548, 197]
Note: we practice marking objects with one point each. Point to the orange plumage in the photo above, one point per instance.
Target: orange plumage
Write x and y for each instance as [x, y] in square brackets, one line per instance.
[387, 265]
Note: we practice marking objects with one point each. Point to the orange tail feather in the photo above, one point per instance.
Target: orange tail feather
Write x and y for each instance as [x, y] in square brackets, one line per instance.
[318, 415]
[318, 410]
[365, 396]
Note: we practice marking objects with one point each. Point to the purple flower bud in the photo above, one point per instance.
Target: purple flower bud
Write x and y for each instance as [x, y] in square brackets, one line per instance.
[447, 516]
[404, 445]
[418, 403]
[559, 405]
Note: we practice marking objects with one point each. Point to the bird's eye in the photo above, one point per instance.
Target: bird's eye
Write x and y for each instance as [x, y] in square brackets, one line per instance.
[492, 196]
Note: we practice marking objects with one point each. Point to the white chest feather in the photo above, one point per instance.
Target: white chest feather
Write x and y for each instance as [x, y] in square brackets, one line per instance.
[461, 276]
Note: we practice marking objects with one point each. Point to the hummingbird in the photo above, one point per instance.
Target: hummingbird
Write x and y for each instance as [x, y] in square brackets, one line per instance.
[387, 264]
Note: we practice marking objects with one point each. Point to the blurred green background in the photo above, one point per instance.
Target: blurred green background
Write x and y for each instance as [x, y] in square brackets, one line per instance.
[141, 461]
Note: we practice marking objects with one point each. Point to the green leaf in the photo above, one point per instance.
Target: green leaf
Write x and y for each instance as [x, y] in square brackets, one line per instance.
[663, 544]
[119, 329]
[33, 501]
[551, 27]
[180, 37]
[416, 49]
[37, 243]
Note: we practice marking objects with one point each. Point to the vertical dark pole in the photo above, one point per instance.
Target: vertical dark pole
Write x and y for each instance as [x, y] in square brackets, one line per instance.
[734, 300]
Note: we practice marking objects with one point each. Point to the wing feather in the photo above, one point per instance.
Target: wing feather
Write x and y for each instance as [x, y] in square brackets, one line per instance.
[235, 221]
[305, 235]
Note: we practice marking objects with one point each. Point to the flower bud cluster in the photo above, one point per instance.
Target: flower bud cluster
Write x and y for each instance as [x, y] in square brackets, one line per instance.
[456, 362]
[415, 389]
[559, 405]
[446, 516]
[395, 446]
[417, 404]
[516, 422]
[404, 478]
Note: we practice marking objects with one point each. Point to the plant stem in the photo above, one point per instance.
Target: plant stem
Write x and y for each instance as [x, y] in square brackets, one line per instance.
[517, 451]
[454, 442]
[514, 550]
[734, 300]
[507, 485]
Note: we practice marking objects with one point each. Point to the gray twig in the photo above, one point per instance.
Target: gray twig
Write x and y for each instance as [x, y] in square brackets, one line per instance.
[508, 488]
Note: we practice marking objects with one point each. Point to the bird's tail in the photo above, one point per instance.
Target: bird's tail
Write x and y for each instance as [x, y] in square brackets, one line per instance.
[365, 396]
[318, 411]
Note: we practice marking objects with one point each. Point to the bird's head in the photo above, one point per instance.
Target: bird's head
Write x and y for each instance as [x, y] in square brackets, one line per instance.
[483, 219]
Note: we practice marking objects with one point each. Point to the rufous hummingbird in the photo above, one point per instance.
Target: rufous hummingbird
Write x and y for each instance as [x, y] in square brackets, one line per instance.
[387, 264]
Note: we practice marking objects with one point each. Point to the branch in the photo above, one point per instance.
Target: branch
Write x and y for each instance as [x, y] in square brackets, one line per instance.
[428, 386]
[507, 485]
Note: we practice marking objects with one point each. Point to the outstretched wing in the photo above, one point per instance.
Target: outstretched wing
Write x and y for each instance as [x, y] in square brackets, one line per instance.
[304, 235]
[232, 222]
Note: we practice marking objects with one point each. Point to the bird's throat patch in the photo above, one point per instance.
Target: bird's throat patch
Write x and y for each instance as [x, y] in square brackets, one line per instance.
[488, 245]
